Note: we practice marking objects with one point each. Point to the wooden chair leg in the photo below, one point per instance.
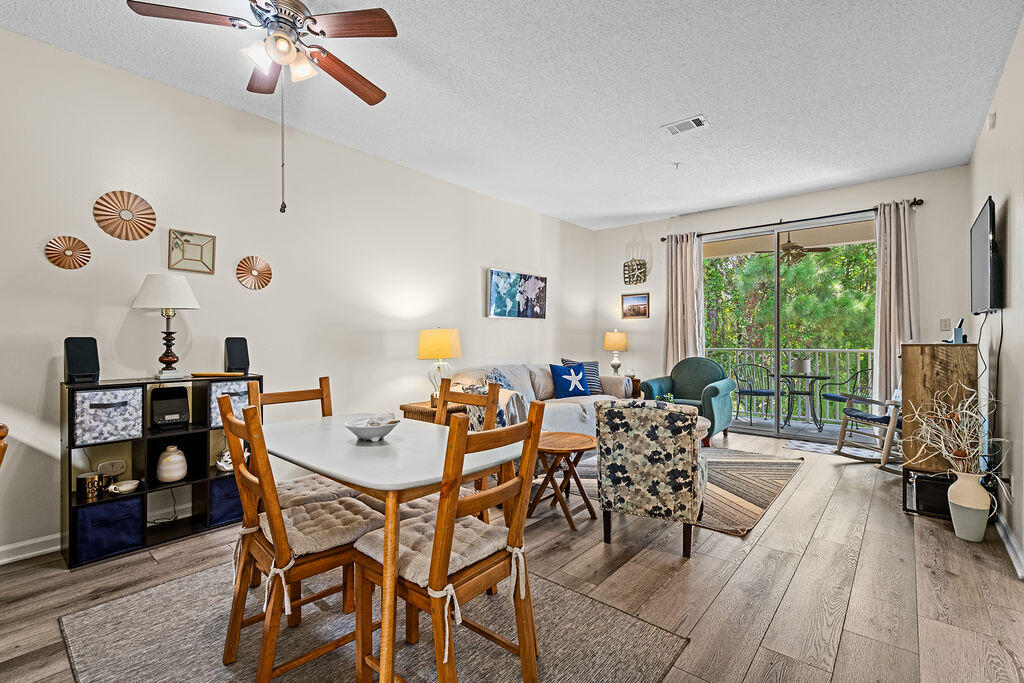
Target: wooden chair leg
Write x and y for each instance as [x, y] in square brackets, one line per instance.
[237, 608]
[364, 625]
[687, 538]
[256, 578]
[295, 594]
[349, 592]
[438, 616]
[606, 521]
[271, 628]
[706, 442]
[412, 623]
[526, 630]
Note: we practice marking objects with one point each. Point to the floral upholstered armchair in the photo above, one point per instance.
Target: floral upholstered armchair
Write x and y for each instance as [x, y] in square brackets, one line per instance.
[648, 462]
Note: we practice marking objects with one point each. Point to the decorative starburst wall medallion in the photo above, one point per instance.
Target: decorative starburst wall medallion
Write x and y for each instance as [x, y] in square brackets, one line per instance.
[69, 253]
[124, 215]
[253, 272]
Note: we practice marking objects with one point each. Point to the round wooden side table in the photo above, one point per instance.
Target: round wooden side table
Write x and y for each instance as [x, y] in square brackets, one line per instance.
[556, 448]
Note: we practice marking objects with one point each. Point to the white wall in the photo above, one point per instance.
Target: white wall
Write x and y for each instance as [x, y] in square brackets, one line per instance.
[941, 231]
[368, 253]
[997, 169]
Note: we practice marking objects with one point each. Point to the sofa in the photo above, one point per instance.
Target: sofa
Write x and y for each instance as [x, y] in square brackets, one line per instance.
[533, 383]
[701, 383]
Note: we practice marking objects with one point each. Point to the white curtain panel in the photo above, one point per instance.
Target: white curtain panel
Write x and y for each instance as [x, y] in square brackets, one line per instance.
[896, 312]
[684, 313]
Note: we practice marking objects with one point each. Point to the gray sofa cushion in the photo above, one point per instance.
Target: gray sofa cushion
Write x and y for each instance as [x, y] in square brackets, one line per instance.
[312, 488]
[473, 541]
[543, 385]
[321, 526]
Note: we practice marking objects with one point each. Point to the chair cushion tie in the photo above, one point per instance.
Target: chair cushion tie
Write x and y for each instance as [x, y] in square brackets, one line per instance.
[275, 571]
[242, 531]
[518, 573]
[448, 593]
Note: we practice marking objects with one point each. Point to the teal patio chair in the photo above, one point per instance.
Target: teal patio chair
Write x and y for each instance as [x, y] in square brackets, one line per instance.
[701, 383]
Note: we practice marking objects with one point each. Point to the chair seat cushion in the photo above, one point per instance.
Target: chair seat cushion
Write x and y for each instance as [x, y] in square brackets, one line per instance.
[315, 527]
[838, 398]
[688, 402]
[312, 488]
[472, 541]
[755, 392]
[863, 416]
[412, 508]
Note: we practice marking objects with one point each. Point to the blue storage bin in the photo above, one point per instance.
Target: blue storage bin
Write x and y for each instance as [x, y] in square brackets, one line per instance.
[225, 504]
[107, 529]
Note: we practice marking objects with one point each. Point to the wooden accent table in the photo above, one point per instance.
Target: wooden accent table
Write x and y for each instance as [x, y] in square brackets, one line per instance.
[567, 447]
[424, 412]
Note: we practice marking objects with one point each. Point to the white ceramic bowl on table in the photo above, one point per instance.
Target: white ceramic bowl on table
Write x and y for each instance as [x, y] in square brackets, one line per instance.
[369, 433]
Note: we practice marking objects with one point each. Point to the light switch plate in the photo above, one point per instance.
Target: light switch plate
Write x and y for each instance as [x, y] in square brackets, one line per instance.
[112, 467]
[945, 325]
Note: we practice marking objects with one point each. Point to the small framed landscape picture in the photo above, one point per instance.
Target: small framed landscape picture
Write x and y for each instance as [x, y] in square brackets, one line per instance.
[636, 306]
[191, 251]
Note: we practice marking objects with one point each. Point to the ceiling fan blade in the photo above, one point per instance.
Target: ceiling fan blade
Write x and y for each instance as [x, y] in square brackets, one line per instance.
[364, 23]
[346, 75]
[264, 83]
[148, 9]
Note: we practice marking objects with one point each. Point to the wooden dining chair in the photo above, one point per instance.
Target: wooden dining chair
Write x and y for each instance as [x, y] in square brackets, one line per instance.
[489, 403]
[286, 546]
[431, 578]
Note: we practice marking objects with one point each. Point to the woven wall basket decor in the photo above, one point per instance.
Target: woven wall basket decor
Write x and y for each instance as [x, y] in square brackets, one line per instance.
[124, 215]
[67, 252]
[253, 272]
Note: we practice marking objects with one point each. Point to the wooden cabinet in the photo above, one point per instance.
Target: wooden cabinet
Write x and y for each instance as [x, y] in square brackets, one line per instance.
[926, 370]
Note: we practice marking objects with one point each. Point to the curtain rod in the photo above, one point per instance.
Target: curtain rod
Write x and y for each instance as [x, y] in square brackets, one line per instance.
[914, 202]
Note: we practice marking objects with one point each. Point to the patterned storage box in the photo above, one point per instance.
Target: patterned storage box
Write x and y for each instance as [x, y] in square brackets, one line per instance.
[239, 393]
[106, 415]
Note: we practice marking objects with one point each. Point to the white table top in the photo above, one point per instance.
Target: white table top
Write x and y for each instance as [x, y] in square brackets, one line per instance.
[411, 455]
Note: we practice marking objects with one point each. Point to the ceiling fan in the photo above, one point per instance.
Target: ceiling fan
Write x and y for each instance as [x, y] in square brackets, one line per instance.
[288, 24]
[792, 253]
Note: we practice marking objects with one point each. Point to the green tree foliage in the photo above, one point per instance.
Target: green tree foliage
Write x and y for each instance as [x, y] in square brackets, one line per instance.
[827, 300]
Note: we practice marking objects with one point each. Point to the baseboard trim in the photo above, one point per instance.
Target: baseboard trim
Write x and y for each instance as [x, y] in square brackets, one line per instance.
[25, 549]
[1013, 548]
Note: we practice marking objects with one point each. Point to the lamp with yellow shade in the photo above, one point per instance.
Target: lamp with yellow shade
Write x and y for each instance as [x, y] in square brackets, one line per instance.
[615, 341]
[439, 345]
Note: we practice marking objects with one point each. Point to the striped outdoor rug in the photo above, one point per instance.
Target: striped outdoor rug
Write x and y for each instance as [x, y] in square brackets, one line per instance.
[740, 486]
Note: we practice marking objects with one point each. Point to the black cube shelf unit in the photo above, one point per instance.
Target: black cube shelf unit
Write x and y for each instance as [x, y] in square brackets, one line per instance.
[116, 413]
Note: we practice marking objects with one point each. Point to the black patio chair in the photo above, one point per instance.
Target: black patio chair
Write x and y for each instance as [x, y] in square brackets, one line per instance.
[858, 384]
[754, 382]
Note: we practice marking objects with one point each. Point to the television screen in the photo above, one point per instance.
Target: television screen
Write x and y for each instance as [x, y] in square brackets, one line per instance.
[986, 270]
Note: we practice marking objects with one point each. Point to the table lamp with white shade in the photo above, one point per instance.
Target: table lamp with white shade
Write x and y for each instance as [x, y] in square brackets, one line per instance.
[439, 345]
[615, 341]
[167, 293]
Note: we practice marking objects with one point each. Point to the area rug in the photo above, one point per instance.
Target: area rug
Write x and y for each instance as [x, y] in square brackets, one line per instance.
[828, 448]
[175, 632]
[740, 487]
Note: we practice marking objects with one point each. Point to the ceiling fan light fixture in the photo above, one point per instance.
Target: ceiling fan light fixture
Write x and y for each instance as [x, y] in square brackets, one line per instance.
[280, 48]
[259, 56]
[301, 68]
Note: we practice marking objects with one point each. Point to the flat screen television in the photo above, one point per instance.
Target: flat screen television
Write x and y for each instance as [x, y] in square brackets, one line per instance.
[986, 263]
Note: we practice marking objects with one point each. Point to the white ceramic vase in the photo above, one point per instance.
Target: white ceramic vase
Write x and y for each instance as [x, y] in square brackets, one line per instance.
[171, 466]
[969, 506]
[802, 366]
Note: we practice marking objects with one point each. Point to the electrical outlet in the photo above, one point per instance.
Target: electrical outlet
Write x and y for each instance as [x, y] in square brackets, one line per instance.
[112, 467]
[945, 325]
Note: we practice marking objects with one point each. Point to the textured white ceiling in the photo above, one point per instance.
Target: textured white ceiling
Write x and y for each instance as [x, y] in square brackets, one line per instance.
[555, 104]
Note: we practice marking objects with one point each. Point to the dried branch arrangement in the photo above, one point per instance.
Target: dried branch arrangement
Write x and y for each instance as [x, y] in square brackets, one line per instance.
[953, 425]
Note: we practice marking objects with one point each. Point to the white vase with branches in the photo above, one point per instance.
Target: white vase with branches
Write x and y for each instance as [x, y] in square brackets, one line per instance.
[954, 425]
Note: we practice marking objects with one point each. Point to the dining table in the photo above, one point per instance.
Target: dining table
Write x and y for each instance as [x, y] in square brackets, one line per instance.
[407, 464]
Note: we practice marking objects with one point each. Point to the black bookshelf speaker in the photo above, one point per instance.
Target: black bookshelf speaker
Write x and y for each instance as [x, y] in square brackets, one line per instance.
[81, 360]
[236, 355]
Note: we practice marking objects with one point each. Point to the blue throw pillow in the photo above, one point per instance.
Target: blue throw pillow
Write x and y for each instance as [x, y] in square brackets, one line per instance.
[592, 371]
[570, 380]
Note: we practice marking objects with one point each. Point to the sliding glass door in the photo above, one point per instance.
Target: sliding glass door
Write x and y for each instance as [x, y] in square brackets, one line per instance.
[789, 313]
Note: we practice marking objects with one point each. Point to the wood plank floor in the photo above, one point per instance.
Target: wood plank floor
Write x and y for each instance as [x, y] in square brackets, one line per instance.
[834, 583]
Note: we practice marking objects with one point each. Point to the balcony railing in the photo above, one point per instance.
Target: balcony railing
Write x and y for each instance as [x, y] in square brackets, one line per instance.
[839, 364]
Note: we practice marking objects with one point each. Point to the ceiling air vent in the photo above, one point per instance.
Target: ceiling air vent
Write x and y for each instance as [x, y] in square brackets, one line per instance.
[686, 124]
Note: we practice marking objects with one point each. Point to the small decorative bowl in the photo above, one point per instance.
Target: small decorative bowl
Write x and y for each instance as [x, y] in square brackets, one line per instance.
[126, 486]
[370, 433]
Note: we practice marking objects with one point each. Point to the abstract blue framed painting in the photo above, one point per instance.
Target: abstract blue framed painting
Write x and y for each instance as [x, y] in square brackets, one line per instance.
[516, 295]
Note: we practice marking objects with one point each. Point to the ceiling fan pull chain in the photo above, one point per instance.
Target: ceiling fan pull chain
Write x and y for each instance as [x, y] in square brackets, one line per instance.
[284, 206]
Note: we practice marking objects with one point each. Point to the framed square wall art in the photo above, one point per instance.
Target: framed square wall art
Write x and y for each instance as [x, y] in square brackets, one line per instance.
[191, 251]
[516, 295]
[636, 306]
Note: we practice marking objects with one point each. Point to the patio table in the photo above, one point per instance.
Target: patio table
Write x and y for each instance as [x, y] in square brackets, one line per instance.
[407, 464]
[792, 380]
